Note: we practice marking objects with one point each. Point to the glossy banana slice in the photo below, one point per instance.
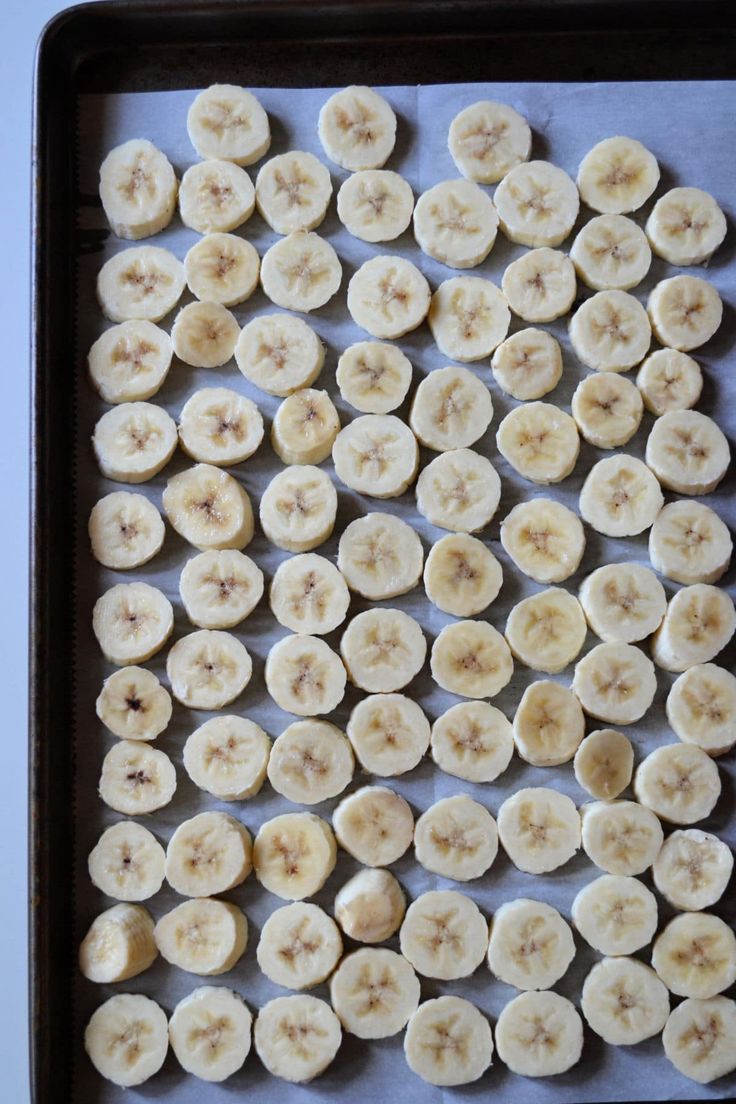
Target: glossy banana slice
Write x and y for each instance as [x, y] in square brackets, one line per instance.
[204, 335]
[227, 757]
[531, 945]
[540, 286]
[539, 1034]
[125, 530]
[548, 724]
[293, 192]
[220, 588]
[610, 332]
[623, 602]
[455, 222]
[134, 441]
[376, 455]
[547, 630]
[486, 140]
[370, 906]
[615, 683]
[472, 740]
[537, 204]
[279, 353]
[620, 837]
[624, 1001]
[129, 362]
[679, 782]
[380, 556]
[134, 705]
[472, 659]
[374, 991]
[701, 708]
[456, 838]
[389, 734]
[373, 376]
[222, 268]
[539, 441]
[143, 282]
[539, 829]
[209, 1032]
[461, 575]
[299, 947]
[219, 426]
[309, 595]
[459, 490]
[127, 862]
[699, 622]
[203, 936]
[616, 915]
[209, 508]
[695, 955]
[607, 409]
[298, 508]
[688, 452]
[294, 855]
[686, 226]
[375, 205]
[544, 539]
[689, 543]
[611, 253]
[617, 175]
[138, 189]
[383, 650]
[132, 621]
[207, 854]
[444, 935]
[374, 824]
[669, 380]
[468, 318]
[311, 761]
[216, 196]
[301, 272]
[227, 121]
[297, 1037]
[699, 1038]
[684, 311]
[448, 1042]
[692, 869]
[357, 128]
[452, 408]
[604, 763]
[621, 496]
[136, 778]
[127, 1039]
[304, 427]
[208, 669]
[119, 944]
[304, 676]
[388, 297]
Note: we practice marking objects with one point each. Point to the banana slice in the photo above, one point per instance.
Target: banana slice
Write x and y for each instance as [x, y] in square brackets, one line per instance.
[209, 1033]
[444, 935]
[548, 724]
[209, 508]
[298, 508]
[459, 490]
[623, 602]
[389, 734]
[202, 936]
[669, 380]
[607, 409]
[227, 121]
[127, 1039]
[616, 915]
[620, 497]
[539, 441]
[294, 855]
[684, 311]
[219, 426]
[138, 189]
[376, 455]
[304, 676]
[219, 588]
[461, 575]
[456, 838]
[544, 539]
[375, 205]
[699, 623]
[297, 1037]
[540, 286]
[380, 556]
[528, 364]
[617, 175]
[129, 362]
[373, 376]
[699, 1038]
[119, 944]
[695, 955]
[468, 317]
[537, 204]
[374, 824]
[134, 441]
[688, 452]
[216, 196]
[279, 353]
[472, 659]
[452, 408]
[539, 1034]
[689, 543]
[143, 282]
[539, 829]
[304, 427]
[293, 192]
[309, 595]
[531, 946]
[692, 869]
[679, 782]
[620, 837]
[374, 992]
[604, 763]
[127, 862]
[624, 1001]
[132, 621]
[686, 226]
[546, 632]
[311, 761]
[370, 906]
[610, 332]
[136, 778]
[486, 140]
[301, 272]
[300, 946]
[227, 757]
[357, 128]
[383, 650]
[448, 1042]
[472, 740]
[204, 335]
[611, 253]
[455, 222]
[134, 705]
[208, 669]
[222, 268]
[615, 683]
[388, 297]
[125, 530]
[209, 853]
[701, 708]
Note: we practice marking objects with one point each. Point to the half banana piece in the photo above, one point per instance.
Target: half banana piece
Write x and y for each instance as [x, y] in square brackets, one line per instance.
[208, 669]
[455, 222]
[125, 530]
[528, 364]
[611, 253]
[380, 556]
[297, 1037]
[607, 409]
[138, 188]
[129, 362]
[374, 992]
[143, 282]
[311, 761]
[621, 496]
[299, 947]
[389, 734]
[304, 676]
[220, 588]
[539, 829]
[699, 1038]
[216, 196]
[375, 205]
[544, 538]
[624, 1001]
[294, 855]
[373, 376]
[132, 622]
[209, 1032]
[486, 140]
[208, 854]
[620, 837]
[695, 955]
[383, 650]
[692, 869]
[548, 724]
[357, 128]
[531, 945]
[226, 121]
[444, 935]
[669, 380]
[472, 659]
[304, 427]
[604, 763]
[540, 286]
[279, 353]
[686, 226]
[301, 272]
[127, 862]
[388, 297]
[227, 757]
[459, 490]
[615, 914]
[127, 1039]
[136, 778]
[623, 602]
[293, 192]
[219, 426]
[615, 683]
[376, 455]
[452, 408]
[119, 944]
[684, 311]
[539, 441]
[537, 204]
[309, 595]
[298, 508]
[374, 824]
[370, 906]
[461, 575]
[222, 268]
[472, 740]
[456, 838]
[611, 332]
[688, 452]
[689, 543]
[539, 1034]
[448, 1042]
[203, 936]
[134, 441]
[133, 704]
[699, 622]
[701, 708]
[209, 508]
[468, 318]
[204, 335]
[679, 782]
[618, 175]
[546, 632]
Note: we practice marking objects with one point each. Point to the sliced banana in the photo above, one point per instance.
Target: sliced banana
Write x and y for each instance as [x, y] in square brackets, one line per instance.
[311, 761]
[539, 829]
[528, 364]
[684, 311]
[309, 595]
[461, 575]
[383, 650]
[209, 508]
[456, 838]
[610, 332]
[299, 947]
[689, 543]
[459, 490]
[620, 837]
[624, 1001]
[125, 530]
[444, 935]
[699, 1038]
[129, 362]
[374, 992]
[455, 222]
[227, 757]
[604, 763]
[701, 708]
[208, 669]
[537, 204]
[374, 824]
[304, 676]
[472, 740]
[216, 196]
[389, 734]
[539, 441]
[209, 1033]
[204, 335]
[370, 906]
[688, 452]
[695, 955]
[219, 588]
[380, 556]
[611, 253]
[203, 936]
[304, 427]
[486, 140]
[132, 621]
[222, 268]
[531, 945]
[298, 508]
[468, 317]
[376, 455]
[207, 854]
[373, 376]
[448, 1042]
[293, 192]
[616, 915]
[472, 659]
[669, 380]
[615, 683]
[127, 862]
[546, 632]
[388, 297]
[540, 286]
[127, 1039]
[138, 189]
[143, 282]
[452, 408]
[357, 128]
[294, 855]
[301, 272]
[227, 121]
[686, 226]
[297, 1037]
[548, 724]
[544, 539]
[620, 497]
[136, 778]
[679, 782]
[539, 1034]
[219, 426]
[134, 705]
[617, 175]
[692, 869]
[699, 622]
[608, 409]
[119, 944]
[279, 353]
[623, 602]
[375, 205]
[134, 441]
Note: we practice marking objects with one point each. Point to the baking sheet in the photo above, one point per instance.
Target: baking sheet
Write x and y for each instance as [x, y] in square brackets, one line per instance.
[691, 128]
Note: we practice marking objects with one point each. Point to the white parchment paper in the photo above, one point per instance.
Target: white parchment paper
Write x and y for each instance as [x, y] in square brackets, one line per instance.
[691, 128]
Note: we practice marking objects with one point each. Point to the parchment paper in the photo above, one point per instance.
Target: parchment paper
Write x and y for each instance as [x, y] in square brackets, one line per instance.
[691, 128]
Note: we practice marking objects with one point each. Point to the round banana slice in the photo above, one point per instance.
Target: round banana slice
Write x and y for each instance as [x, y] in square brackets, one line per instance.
[389, 734]
[138, 189]
[134, 705]
[528, 364]
[311, 761]
[222, 268]
[209, 1033]
[208, 669]
[380, 556]
[540, 286]
[203, 936]
[456, 838]
[279, 353]
[375, 205]
[531, 945]
[373, 376]
[300, 946]
[539, 829]
[546, 631]
[699, 1038]
[132, 621]
[204, 335]
[611, 253]
[448, 1042]
[374, 992]
[134, 441]
[689, 543]
[620, 837]
[679, 782]
[294, 855]
[127, 1039]
[695, 955]
[370, 906]
[129, 362]
[209, 508]
[486, 140]
[688, 452]
[544, 539]
[669, 380]
[540, 441]
[444, 935]
[615, 683]
[304, 676]
[136, 778]
[375, 825]
[216, 196]
[219, 426]
[701, 708]
[304, 427]
[624, 1001]
[686, 226]
[293, 192]
[297, 1037]
[301, 272]
[357, 128]
[472, 740]
[376, 455]
[227, 757]
[468, 317]
[692, 869]
[227, 121]
[459, 490]
[623, 602]
[616, 915]
[539, 1034]
[472, 659]
[127, 862]
[125, 530]
[620, 497]
[143, 282]
[298, 508]
[617, 175]
[309, 595]
[604, 763]
[455, 222]
[207, 854]
[452, 408]
[610, 332]
[383, 650]
[388, 297]
[684, 311]
[607, 409]
[461, 575]
[537, 204]
[699, 623]
[548, 724]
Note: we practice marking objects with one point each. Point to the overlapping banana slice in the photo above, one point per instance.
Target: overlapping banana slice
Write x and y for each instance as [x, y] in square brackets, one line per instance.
[539, 1034]
[688, 452]
[220, 588]
[699, 1038]
[383, 650]
[127, 1039]
[380, 556]
[357, 128]
[119, 944]
[689, 543]
[539, 829]
[375, 205]
[226, 121]
[388, 297]
[143, 282]
[448, 1042]
[452, 408]
[699, 622]
[472, 659]
[537, 204]
[299, 947]
[209, 1032]
[370, 906]
[459, 490]
[486, 140]
[615, 683]
[227, 757]
[203, 936]
[468, 317]
[309, 595]
[604, 763]
[455, 222]
[701, 708]
[279, 353]
[132, 621]
[298, 508]
[545, 539]
[692, 869]
[374, 824]
[617, 175]
[621, 496]
[129, 362]
[528, 364]
[611, 253]
[374, 991]
[444, 935]
[304, 427]
[209, 508]
[540, 441]
[546, 631]
[136, 778]
[219, 426]
[461, 575]
[297, 1037]
[301, 272]
[615, 914]
[138, 189]
[548, 724]
[624, 1001]
[125, 530]
[456, 838]
[134, 441]
[310, 762]
[679, 782]
[293, 192]
[207, 854]
[684, 311]
[695, 955]
[373, 376]
[304, 676]
[216, 196]
[607, 409]
[620, 837]
[623, 602]
[531, 945]
[204, 335]
[686, 226]
[389, 734]
[540, 286]
[208, 669]
[134, 705]
[376, 455]
[294, 855]
[222, 268]
[610, 332]
[472, 740]
[127, 862]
